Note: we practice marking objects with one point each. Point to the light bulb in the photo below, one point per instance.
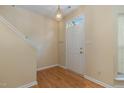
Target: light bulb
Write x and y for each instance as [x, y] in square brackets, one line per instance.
[58, 15]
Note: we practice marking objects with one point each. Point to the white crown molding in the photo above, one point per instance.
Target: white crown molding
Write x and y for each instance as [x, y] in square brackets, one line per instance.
[29, 85]
[98, 82]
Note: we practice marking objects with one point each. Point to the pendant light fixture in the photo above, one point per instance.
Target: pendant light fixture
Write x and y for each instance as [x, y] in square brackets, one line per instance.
[59, 14]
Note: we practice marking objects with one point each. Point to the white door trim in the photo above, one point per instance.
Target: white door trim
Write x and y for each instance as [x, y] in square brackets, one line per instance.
[67, 48]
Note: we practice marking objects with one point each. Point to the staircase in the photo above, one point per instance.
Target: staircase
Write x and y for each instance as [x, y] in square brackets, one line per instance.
[17, 57]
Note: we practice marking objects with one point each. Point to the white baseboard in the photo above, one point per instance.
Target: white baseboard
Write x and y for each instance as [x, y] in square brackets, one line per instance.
[29, 84]
[46, 67]
[98, 82]
[119, 86]
[62, 66]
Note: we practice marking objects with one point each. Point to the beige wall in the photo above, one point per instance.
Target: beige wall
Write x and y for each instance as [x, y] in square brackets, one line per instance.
[61, 43]
[102, 45]
[99, 41]
[41, 30]
[99, 36]
[17, 59]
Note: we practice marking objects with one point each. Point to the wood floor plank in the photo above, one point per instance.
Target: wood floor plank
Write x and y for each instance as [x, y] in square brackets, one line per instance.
[58, 77]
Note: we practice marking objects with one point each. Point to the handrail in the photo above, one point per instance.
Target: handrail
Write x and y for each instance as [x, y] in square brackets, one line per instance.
[14, 29]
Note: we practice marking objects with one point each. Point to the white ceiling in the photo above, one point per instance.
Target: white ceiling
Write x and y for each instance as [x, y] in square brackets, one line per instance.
[49, 10]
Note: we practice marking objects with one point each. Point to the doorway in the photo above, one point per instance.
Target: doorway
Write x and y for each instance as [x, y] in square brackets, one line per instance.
[75, 46]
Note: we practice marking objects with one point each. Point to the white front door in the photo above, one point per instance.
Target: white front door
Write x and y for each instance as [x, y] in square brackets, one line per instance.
[75, 45]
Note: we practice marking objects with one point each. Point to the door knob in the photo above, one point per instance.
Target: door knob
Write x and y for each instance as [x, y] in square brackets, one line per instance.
[81, 52]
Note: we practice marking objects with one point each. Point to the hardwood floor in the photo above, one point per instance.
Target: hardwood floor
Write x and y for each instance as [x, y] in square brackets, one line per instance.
[58, 77]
